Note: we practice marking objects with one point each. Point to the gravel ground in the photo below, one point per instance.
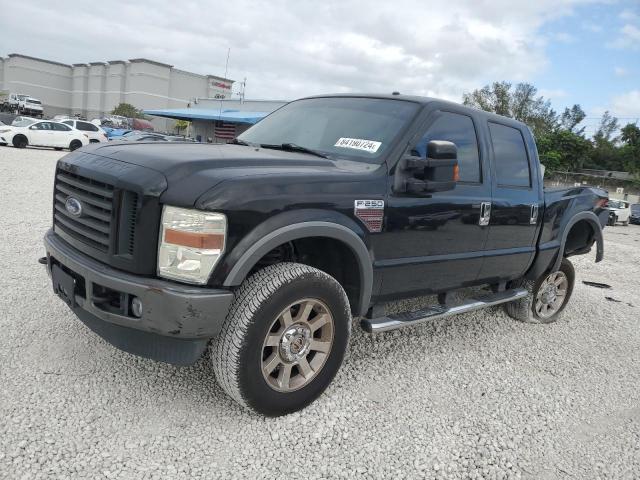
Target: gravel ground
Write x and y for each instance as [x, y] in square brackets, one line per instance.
[474, 396]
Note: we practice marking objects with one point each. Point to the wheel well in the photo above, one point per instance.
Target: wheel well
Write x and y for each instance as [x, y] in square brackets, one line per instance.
[327, 254]
[580, 239]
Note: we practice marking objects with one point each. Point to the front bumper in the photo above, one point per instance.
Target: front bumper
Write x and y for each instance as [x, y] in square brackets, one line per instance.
[177, 320]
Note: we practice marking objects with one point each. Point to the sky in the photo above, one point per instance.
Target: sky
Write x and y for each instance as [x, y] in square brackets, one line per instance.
[573, 51]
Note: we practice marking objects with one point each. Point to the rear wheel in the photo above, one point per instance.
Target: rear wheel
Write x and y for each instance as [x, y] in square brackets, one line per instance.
[612, 220]
[283, 340]
[20, 141]
[74, 145]
[547, 298]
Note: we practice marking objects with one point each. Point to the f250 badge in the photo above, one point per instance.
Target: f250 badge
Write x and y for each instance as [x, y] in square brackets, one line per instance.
[370, 212]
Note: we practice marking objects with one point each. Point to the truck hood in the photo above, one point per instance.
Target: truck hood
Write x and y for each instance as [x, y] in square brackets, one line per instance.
[191, 169]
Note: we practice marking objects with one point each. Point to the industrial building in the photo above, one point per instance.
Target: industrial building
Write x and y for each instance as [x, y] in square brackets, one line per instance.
[94, 89]
[214, 120]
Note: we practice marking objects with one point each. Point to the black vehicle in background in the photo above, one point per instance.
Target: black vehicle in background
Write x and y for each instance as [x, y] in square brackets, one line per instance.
[635, 214]
[329, 208]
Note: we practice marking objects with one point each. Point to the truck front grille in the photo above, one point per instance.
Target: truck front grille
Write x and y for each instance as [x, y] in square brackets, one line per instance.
[94, 226]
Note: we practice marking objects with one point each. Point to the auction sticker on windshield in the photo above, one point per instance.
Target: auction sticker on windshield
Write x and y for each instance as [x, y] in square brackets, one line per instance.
[358, 144]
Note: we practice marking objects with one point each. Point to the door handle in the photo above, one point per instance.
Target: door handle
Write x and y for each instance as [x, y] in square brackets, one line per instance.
[485, 214]
[533, 219]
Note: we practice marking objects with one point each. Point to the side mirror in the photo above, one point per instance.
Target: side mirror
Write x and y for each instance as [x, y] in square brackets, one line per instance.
[32, 127]
[436, 173]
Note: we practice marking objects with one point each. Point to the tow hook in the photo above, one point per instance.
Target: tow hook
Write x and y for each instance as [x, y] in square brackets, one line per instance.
[43, 261]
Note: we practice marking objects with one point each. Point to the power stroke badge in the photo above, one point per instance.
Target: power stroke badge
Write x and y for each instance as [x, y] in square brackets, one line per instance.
[370, 212]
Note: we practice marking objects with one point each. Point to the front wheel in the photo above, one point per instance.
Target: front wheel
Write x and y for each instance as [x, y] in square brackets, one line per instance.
[547, 298]
[20, 141]
[74, 145]
[283, 340]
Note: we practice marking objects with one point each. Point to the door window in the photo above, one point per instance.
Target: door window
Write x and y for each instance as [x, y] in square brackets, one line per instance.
[86, 127]
[61, 127]
[43, 126]
[459, 129]
[510, 156]
[68, 122]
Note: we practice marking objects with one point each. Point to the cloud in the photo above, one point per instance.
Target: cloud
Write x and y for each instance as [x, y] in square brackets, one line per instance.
[288, 49]
[626, 104]
[629, 35]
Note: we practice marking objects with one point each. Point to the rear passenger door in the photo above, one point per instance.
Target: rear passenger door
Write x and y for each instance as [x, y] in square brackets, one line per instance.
[514, 204]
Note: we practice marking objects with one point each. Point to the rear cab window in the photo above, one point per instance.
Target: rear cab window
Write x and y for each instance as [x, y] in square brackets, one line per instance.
[510, 157]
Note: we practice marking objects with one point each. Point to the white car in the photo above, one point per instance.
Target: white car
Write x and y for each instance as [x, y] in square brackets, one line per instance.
[619, 211]
[95, 133]
[42, 134]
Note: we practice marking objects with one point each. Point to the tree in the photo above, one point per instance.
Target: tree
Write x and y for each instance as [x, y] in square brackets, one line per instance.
[571, 118]
[181, 125]
[521, 103]
[608, 126]
[605, 154]
[127, 110]
[563, 150]
[630, 151]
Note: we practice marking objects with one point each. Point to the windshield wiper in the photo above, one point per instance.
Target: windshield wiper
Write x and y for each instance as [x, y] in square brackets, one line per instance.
[292, 147]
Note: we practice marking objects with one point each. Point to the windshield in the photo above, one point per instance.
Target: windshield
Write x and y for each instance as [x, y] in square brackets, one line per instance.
[635, 208]
[352, 128]
[34, 101]
[616, 204]
[22, 122]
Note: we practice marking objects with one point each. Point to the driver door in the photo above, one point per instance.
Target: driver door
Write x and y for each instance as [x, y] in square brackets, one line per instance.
[436, 242]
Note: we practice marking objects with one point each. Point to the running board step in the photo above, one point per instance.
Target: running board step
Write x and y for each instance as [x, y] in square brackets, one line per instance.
[405, 319]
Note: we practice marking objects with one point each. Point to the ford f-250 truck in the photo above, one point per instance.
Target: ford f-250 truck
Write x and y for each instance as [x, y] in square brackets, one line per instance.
[265, 249]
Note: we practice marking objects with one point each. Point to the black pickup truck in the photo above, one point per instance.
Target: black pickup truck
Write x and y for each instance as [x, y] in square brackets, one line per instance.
[328, 209]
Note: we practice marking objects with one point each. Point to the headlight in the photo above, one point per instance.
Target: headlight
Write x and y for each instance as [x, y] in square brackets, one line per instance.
[191, 243]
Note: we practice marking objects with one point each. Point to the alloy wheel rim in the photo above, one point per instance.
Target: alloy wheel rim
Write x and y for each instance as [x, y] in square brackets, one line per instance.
[297, 345]
[551, 294]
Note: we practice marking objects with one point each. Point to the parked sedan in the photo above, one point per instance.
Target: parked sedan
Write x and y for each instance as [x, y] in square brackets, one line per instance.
[95, 133]
[42, 134]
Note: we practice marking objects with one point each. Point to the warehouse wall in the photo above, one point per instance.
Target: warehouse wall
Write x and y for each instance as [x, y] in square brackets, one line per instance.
[94, 89]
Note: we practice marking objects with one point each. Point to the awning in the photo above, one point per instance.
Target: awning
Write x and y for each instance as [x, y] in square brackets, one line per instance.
[232, 116]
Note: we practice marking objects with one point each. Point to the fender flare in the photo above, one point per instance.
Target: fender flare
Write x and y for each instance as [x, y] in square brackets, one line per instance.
[302, 230]
[593, 220]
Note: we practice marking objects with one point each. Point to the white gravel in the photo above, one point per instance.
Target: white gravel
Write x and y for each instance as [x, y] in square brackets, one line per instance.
[474, 396]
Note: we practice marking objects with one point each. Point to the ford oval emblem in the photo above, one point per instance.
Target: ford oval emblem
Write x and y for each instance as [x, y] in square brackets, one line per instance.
[73, 206]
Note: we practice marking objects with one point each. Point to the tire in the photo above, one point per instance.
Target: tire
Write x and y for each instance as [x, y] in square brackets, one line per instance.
[612, 221]
[256, 320]
[20, 141]
[74, 145]
[626, 224]
[524, 309]
[93, 140]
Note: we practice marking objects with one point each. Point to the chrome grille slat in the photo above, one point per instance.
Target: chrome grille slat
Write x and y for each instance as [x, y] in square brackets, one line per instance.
[85, 197]
[89, 188]
[82, 230]
[88, 209]
[86, 221]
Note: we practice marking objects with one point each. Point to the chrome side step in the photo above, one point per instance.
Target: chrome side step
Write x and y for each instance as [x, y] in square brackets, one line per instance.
[405, 319]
